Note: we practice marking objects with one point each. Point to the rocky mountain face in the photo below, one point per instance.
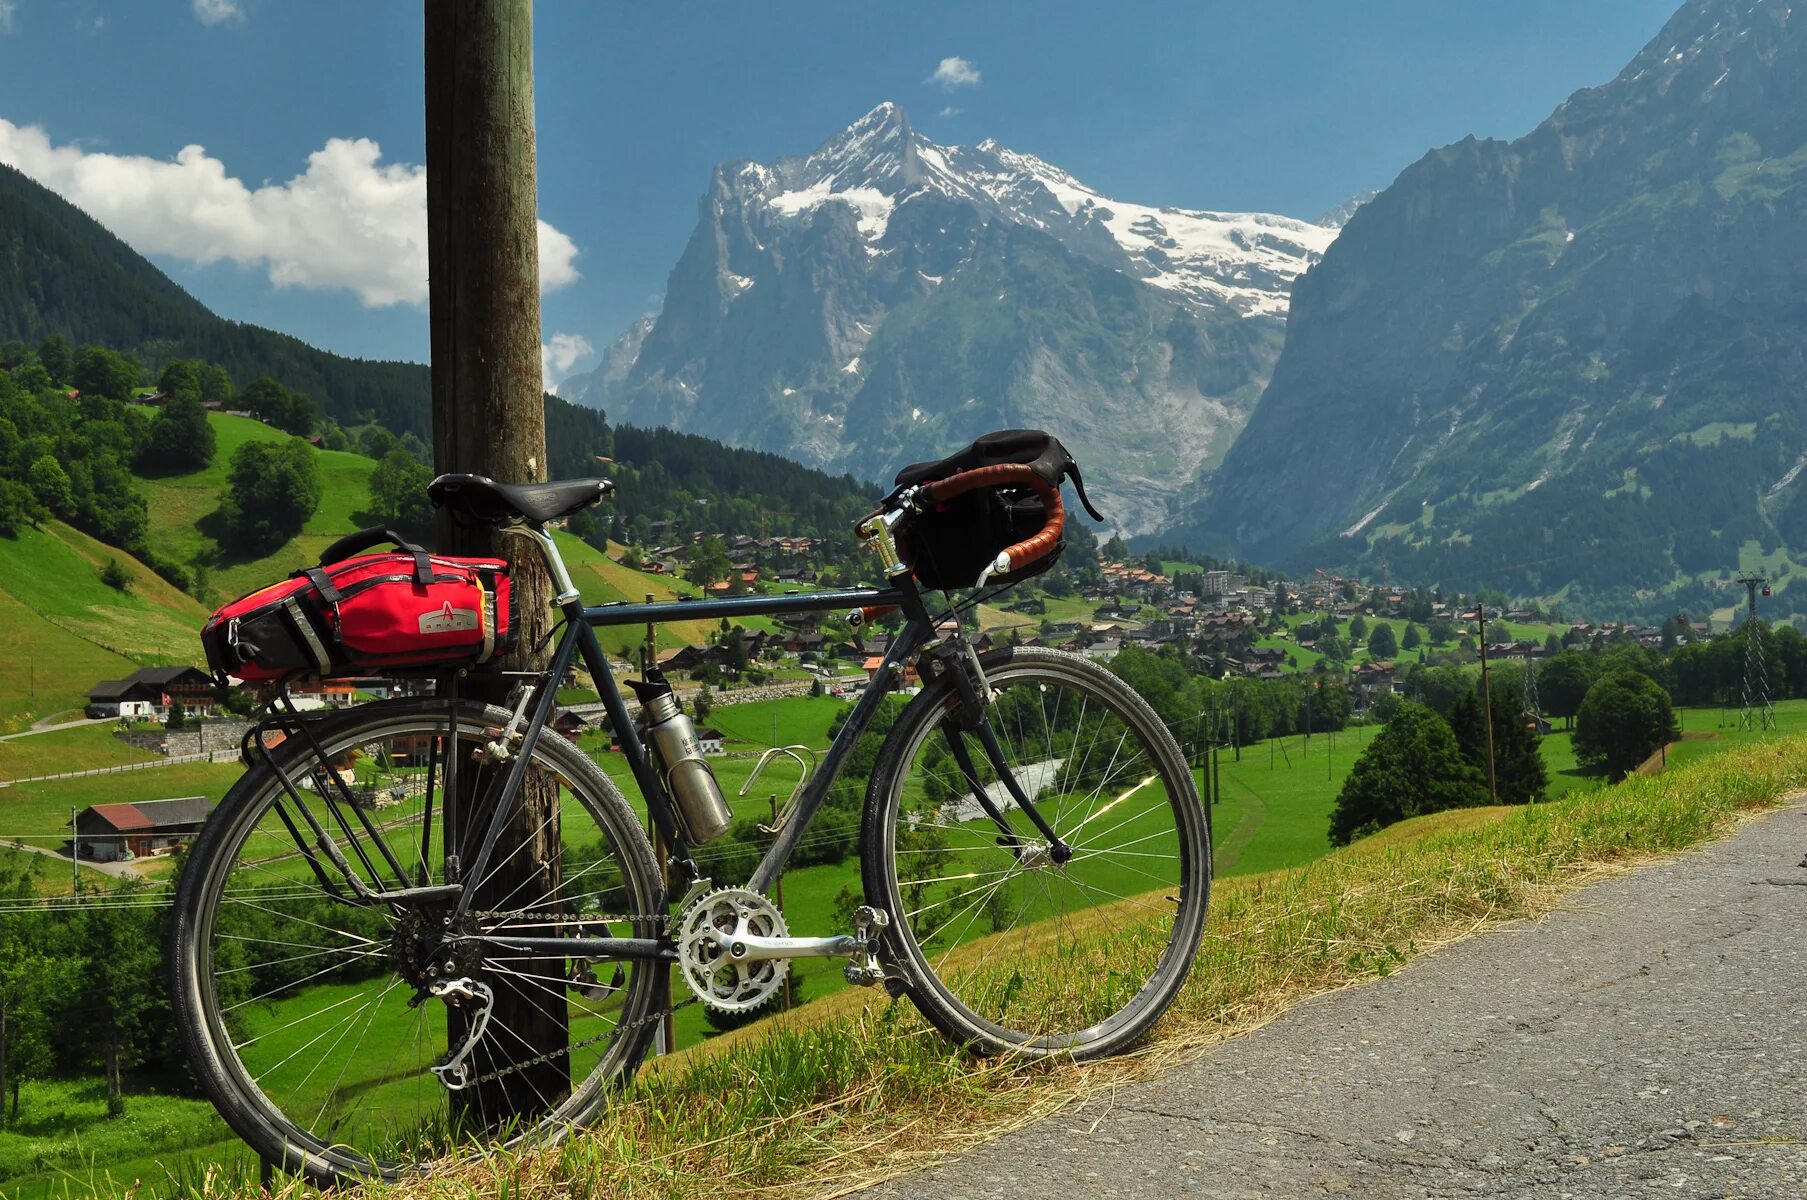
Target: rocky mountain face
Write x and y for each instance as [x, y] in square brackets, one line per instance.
[1569, 365]
[886, 299]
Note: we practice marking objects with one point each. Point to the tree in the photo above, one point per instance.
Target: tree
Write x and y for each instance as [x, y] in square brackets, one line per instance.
[1358, 627]
[1412, 639]
[116, 576]
[18, 507]
[24, 974]
[273, 488]
[54, 353]
[708, 562]
[274, 404]
[1519, 774]
[100, 372]
[398, 491]
[1442, 630]
[181, 438]
[1115, 550]
[1412, 767]
[1624, 718]
[179, 379]
[1563, 681]
[216, 385]
[50, 484]
[1381, 643]
[114, 1020]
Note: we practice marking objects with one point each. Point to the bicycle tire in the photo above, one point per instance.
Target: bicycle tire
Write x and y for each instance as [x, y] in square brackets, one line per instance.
[198, 938]
[1011, 989]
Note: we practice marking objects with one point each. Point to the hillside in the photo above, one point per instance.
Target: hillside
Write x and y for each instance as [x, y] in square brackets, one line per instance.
[63, 272]
[885, 299]
[1565, 366]
[62, 629]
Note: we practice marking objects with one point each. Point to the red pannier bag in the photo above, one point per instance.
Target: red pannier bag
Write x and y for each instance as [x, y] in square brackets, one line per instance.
[363, 613]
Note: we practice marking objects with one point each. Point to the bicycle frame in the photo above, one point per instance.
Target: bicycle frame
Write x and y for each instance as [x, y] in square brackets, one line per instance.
[579, 641]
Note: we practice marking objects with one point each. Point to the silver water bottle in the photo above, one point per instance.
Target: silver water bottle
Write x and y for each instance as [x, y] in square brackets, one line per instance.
[702, 811]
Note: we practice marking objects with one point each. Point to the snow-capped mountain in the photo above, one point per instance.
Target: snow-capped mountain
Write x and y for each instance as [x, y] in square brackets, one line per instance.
[888, 298]
[1244, 260]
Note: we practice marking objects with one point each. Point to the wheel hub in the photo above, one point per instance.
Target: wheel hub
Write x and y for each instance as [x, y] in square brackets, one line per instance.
[429, 944]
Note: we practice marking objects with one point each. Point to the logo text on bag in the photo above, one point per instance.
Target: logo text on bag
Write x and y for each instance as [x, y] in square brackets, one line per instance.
[446, 619]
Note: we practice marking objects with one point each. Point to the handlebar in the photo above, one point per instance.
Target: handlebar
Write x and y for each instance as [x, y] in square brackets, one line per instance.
[1035, 546]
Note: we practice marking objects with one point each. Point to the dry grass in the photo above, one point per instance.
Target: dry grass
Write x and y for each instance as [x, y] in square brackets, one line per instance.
[855, 1089]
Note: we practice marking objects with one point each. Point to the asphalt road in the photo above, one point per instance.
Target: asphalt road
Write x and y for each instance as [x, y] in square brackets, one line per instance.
[1648, 1039]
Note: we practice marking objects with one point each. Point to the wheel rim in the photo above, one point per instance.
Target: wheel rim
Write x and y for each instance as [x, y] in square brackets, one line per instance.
[304, 998]
[1031, 954]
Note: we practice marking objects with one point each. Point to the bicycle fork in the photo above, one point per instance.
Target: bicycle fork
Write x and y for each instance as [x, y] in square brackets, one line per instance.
[956, 659]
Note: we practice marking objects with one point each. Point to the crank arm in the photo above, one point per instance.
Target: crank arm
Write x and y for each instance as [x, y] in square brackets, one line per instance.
[751, 948]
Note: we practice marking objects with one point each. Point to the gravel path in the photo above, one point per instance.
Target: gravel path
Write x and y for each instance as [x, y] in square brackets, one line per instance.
[1650, 1038]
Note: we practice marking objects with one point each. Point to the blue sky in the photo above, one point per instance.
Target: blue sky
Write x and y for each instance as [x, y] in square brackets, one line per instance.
[1283, 106]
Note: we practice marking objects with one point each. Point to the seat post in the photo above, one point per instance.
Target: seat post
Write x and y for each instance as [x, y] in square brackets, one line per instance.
[555, 563]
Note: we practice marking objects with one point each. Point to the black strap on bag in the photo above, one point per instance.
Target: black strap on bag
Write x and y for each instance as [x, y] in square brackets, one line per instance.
[356, 543]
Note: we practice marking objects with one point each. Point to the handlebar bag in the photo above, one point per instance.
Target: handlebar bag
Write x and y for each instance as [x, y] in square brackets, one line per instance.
[950, 544]
[360, 613]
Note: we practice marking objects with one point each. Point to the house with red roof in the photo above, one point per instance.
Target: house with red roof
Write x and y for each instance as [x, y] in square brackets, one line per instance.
[111, 832]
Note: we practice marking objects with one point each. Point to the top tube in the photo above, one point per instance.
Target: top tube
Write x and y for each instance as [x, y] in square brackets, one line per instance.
[729, 606]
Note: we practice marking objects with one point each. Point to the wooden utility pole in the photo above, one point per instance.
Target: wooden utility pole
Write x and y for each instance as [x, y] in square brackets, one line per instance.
[1493, 796]
[489, 418]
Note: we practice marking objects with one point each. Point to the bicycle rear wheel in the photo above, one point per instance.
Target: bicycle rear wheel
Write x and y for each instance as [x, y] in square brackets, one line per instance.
[307, 1016]
[1002, 947]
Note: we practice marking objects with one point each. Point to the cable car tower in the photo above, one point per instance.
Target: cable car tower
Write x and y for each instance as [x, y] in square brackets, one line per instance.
[1757, 713]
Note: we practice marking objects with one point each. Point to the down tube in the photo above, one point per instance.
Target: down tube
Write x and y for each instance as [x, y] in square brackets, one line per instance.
[914, 634]
[652, 788]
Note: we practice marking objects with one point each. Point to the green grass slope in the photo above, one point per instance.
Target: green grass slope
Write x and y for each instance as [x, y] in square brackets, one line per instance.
[62, 629]
[183, 508]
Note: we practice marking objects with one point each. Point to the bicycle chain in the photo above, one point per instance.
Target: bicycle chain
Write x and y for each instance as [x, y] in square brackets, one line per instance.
[657, 1015]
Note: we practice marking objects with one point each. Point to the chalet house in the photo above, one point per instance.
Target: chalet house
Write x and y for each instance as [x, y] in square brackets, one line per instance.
[324, 693]
[150, 691]
[685, 658]
[1103, 650]
[710, 739]
[110, 832]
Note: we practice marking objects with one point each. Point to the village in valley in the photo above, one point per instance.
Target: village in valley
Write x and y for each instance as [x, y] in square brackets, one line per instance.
[1235, 624]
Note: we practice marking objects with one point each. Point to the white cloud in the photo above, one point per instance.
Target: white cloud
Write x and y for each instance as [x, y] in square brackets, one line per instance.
[949, 111]
[558, 356]
[214, 12]
[349, 221]
[954, 72]
[7, 9]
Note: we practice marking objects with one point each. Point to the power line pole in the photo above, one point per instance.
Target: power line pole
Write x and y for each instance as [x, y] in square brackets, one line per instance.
[1757, 711]
[1487, 703]
[489, 418]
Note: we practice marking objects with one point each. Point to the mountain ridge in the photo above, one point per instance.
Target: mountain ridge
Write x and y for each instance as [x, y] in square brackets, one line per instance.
[1568, 364]
[885, 298]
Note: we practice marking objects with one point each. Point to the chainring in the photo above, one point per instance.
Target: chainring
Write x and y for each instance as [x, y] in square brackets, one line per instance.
[720, 981]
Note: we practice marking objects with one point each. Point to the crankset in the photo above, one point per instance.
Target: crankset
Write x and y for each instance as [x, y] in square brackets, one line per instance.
[734, 949]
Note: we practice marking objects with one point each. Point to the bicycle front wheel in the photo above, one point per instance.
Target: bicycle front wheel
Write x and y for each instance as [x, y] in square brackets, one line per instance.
[310, 1015]
[1001, 946]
